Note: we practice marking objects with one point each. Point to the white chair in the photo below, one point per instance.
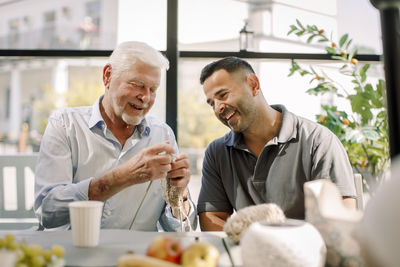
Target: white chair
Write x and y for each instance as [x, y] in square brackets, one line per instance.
[22, 217]
[359, 191]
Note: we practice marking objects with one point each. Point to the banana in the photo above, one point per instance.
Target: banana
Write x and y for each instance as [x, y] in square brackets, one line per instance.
[136, 260]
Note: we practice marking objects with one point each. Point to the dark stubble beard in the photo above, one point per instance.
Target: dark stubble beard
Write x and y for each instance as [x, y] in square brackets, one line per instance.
[245, 107]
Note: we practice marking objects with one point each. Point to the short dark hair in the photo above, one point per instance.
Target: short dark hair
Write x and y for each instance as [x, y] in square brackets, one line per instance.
[230, 64]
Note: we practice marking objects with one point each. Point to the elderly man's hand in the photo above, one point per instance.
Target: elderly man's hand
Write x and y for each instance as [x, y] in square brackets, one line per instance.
[179, 176]
[180, 171]
[151, 163]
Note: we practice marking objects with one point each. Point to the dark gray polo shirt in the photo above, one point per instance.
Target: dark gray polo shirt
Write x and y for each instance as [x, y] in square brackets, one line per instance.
[234, 178]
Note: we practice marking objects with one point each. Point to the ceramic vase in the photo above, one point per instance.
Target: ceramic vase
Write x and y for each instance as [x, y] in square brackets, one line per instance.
[293, 243]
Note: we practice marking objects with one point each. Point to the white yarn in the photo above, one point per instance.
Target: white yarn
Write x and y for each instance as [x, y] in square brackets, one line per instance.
[237, 223]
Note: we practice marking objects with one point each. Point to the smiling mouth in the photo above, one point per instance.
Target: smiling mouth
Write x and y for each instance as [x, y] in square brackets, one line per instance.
[229, 115]
[137, 107]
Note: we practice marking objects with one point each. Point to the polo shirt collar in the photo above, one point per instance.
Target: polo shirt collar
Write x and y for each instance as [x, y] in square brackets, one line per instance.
[96, 119]
[287, 132]
[234, 139]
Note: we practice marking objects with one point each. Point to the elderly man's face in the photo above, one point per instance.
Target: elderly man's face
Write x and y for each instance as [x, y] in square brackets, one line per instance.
[132, 93]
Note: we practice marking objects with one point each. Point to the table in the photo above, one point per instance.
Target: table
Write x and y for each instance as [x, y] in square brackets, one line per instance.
[113, 243]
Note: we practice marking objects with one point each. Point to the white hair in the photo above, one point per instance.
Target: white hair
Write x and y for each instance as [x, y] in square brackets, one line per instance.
[127, 53]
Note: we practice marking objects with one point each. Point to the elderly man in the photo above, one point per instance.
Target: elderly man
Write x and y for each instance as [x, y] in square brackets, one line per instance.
[269, 153]
[113, 152]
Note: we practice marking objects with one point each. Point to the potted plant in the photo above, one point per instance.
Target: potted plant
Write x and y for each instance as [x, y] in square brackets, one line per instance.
[363, 131]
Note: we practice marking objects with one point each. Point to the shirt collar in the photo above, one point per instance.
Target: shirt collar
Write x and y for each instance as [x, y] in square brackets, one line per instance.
[234, 139]
[96, 119]
[287, 131]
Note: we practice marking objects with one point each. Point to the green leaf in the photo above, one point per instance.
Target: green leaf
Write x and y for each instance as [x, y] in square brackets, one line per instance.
[378, 103]
[338, 58]
[311, 37]
[360, 105]
[304, 72]
[300, 25]
[330, 50]
[323, 39]
[364, 69]
[382, 114]
[369, 92]
[313, 71]
[370, 133]
[348, 44]
[312, 91]
[363, 77]
[300, 33]
[363, 72]
[294, 68]
[292, 29]
[290, 32]
[343, 39]
[333, 115]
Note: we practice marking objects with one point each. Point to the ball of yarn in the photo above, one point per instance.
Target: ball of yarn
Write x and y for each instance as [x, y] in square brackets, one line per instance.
[243, 218]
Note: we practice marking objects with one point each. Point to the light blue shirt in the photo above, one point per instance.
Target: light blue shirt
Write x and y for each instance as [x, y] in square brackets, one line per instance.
[76, 147]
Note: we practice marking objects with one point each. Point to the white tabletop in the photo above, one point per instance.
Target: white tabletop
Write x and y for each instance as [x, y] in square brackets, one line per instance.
[114, 243]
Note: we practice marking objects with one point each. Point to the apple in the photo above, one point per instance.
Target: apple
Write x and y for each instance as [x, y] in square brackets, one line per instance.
[200, 254]
[165, 248]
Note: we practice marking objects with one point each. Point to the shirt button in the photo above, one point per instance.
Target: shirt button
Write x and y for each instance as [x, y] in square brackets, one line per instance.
[108, 212]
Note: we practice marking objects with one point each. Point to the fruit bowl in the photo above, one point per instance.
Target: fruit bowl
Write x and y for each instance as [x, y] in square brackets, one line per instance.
[167, 251]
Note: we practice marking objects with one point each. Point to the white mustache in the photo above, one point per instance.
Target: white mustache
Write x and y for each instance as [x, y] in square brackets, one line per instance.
[144, 105]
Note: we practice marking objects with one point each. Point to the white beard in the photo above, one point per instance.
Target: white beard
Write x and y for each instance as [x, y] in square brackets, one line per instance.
[131, 120]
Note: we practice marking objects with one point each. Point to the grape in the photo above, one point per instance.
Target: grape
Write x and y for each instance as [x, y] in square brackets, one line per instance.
[9, 242]
[32, 255]
[58, 251]
[47, 255]
[33, 250]
[38, 261]
[9, 238]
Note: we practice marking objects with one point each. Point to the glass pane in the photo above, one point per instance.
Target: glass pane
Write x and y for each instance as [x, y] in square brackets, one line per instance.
[86, 24]
[31, 88]
[198, 125]
[215, 25]
[210, 25]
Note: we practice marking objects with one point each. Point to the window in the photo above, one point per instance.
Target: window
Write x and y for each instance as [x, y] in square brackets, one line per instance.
[49, 30]
[208, 28]
[13, 33]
